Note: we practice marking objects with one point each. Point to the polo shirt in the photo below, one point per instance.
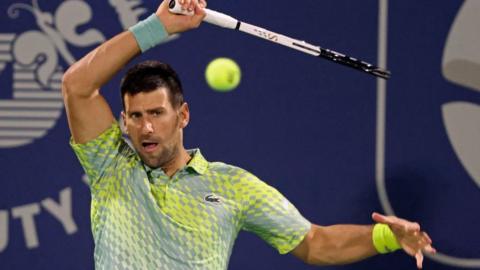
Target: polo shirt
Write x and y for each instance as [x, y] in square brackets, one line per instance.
[143, 219]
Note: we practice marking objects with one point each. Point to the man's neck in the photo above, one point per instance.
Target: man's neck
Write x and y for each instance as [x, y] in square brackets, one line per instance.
[177, 163]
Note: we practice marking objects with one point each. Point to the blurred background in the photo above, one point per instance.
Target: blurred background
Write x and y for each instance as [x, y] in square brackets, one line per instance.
[338, 143]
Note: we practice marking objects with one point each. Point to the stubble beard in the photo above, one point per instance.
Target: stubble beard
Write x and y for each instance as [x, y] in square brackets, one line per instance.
[163, 158]
[166, 154]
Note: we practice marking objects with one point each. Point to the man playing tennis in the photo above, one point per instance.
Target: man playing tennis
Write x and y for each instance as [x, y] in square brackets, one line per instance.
[160, 206]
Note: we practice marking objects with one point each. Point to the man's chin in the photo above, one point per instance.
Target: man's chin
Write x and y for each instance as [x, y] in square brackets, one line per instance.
[150, 162]
[153, 161]
[157, 159]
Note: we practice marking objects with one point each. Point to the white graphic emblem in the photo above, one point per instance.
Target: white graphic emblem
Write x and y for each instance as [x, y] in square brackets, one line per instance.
[35, 61]
[460, 65]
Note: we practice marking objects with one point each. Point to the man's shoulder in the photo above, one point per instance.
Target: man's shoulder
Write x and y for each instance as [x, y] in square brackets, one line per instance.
[224, 168]
[230, 171]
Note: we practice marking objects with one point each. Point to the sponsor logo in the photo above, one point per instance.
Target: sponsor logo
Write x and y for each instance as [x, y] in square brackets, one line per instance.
[36, 58]
[212, 198]
[266, 35]
[460, 65]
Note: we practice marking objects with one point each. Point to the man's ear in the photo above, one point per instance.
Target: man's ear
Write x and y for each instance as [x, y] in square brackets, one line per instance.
[124, 120]
[184, 113]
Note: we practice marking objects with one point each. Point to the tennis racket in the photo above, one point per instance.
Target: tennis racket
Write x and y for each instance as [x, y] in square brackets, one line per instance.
[226, 21]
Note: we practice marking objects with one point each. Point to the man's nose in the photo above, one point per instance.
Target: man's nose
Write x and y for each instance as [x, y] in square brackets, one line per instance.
[147, 127]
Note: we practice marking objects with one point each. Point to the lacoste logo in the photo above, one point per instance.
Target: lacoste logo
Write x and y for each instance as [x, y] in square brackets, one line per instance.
[212, 198]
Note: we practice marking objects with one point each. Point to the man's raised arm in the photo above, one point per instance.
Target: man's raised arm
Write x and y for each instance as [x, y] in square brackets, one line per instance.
[87, 111]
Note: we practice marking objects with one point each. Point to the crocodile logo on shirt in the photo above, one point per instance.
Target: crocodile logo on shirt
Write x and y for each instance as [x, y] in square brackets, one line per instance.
[212, 198]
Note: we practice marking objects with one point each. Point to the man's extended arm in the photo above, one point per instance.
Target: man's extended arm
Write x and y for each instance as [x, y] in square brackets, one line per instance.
[342, 244]
[336, 244]
[87, 111]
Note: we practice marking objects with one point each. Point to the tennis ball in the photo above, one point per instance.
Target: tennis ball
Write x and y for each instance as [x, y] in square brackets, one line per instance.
[223, 74]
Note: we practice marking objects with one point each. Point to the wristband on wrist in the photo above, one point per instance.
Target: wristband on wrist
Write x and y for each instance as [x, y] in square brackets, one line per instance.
[149, 32]
[383, 239]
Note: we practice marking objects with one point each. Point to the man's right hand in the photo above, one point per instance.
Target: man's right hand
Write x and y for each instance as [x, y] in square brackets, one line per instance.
[175, 23]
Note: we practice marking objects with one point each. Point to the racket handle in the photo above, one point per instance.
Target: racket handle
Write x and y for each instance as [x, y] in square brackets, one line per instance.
[220, 19]
[212, 17]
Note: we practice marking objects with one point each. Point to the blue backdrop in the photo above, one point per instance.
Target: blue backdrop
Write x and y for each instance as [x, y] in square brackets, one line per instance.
[337, 142]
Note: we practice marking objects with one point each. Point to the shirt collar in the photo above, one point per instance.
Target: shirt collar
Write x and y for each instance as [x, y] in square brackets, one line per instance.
[198, 162]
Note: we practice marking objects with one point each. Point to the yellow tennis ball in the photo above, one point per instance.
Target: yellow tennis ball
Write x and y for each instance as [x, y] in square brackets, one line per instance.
[223, 74]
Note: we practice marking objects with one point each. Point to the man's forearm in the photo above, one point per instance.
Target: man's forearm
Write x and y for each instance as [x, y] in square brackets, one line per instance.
[337, 244]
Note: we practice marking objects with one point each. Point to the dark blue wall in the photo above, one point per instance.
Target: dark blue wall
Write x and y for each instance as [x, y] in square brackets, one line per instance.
[304, 125]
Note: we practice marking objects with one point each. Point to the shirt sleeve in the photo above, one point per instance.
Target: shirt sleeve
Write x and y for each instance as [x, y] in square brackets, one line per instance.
[97, 155]
[271, 216]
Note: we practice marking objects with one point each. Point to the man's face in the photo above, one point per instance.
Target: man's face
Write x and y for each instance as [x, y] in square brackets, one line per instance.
[154, 126]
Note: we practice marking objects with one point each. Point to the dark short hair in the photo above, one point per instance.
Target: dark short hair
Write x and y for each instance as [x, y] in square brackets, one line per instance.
[149, 76]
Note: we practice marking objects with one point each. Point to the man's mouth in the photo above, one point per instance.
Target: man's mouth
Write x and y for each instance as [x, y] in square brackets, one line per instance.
[149, 146]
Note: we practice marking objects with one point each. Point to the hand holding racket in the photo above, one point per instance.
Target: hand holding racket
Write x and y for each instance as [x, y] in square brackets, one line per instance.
[223, 20]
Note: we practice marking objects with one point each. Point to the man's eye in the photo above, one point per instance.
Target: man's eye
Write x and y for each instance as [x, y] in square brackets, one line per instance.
[135, 115]
[156, 113]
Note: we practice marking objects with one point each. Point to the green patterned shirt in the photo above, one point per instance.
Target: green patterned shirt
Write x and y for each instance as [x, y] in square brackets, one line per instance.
[142, 219]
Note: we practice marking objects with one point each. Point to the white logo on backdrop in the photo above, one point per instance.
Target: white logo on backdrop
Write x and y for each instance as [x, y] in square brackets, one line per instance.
[38, 57]
[461, 65]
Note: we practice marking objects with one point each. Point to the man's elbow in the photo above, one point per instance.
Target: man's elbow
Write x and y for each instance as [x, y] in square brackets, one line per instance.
[324, 260]
[74, 85]
[318, 248]
[320, 259]
[69, 81]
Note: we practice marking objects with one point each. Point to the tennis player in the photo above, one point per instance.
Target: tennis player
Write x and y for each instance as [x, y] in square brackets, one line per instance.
[157, 205]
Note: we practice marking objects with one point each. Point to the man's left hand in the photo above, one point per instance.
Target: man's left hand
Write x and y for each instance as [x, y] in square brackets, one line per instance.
[411, 238]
